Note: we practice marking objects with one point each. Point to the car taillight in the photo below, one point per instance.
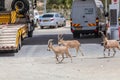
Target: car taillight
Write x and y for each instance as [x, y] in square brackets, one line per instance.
[51, 19]
[71, 21]
[97, 21]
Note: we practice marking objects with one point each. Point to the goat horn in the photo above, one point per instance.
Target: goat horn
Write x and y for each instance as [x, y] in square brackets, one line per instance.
[102, 33]
[60, 36]
[50, 40]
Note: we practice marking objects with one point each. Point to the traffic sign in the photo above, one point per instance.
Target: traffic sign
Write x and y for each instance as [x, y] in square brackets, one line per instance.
[115, 1]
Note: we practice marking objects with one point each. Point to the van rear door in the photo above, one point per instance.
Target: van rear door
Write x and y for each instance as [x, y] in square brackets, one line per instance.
[89, 16]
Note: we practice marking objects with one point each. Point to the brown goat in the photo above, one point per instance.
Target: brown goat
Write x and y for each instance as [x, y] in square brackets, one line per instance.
[70, 44]
[58, 50]
[109, 44]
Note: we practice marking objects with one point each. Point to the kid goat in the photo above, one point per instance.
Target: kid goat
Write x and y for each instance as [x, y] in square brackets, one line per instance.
[108, 44]
[70, 44]
[58, 50]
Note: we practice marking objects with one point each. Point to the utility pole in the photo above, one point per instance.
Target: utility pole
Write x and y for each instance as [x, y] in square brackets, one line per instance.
[106, 10]
[45, 1]
[106, 4]
[106, 16]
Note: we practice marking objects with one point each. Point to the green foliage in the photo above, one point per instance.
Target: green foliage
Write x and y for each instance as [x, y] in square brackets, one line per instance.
[66, 4]
[57, 4]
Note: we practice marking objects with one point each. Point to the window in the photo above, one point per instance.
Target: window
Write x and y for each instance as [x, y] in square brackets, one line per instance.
[47, 15]
[56, 15]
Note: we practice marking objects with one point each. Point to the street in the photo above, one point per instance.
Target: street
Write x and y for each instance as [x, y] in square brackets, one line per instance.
[34, 62]
[37, 45]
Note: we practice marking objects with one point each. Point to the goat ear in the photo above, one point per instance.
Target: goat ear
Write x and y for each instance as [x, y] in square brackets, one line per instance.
[102, 34]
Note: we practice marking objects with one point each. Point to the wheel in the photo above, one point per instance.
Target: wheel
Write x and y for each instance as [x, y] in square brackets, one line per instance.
[23, 5]
[42, 27]
[64, 23]
[56, 26]
[76, 35]
[96, 35]
[30, 33]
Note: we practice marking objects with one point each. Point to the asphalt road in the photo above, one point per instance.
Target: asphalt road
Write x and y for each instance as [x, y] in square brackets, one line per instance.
[37, 45]
[34, 62]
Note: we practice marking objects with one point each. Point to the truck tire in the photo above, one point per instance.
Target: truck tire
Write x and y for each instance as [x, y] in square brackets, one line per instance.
[76, 35]
[23, 5]
[30, 33]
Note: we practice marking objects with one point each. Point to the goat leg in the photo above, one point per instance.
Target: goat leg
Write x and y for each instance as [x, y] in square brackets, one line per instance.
[57, 58]
[81, 52]
[77, 51]
[114, 51]
[69, 56]
[62, 58]
[108, 52]
[104, 52]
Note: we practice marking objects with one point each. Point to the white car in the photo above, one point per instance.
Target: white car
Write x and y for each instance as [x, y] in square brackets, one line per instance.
[52, 20]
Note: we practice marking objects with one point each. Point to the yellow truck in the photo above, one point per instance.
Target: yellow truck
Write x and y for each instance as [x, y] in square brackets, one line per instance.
[16, 23]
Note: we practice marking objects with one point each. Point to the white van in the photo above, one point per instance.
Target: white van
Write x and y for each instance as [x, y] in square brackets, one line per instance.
[87, 17]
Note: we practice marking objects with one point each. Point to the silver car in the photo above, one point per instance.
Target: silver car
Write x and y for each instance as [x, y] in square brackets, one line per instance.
[52, 20]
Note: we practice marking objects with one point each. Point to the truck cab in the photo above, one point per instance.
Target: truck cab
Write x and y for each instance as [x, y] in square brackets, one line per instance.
[16, 23]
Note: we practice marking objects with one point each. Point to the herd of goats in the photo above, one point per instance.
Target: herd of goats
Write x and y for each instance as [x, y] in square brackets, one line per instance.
[64, 45]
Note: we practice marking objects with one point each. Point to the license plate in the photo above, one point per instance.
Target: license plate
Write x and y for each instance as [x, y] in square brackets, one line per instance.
[45, 21]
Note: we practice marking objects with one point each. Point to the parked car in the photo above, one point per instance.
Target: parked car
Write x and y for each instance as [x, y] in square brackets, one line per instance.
[40, 17]
[52, 20]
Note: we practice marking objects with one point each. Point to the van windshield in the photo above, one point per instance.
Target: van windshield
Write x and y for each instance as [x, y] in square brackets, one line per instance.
[47, 15]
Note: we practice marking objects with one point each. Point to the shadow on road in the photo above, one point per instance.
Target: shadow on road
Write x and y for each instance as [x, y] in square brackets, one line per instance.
[6, 53]
[43, 39]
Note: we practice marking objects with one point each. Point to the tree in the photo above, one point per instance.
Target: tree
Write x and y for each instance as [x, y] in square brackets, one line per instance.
[62, 3]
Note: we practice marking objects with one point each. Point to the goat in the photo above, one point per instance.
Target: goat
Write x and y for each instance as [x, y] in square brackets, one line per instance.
[58, 50]
[108, 44]
[70, 44]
